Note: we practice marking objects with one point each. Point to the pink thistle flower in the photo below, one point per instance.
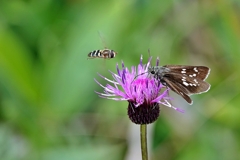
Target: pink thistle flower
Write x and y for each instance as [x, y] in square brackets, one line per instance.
[144, 93]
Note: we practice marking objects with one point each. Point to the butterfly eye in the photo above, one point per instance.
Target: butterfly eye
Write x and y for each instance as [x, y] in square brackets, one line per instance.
[152, 72]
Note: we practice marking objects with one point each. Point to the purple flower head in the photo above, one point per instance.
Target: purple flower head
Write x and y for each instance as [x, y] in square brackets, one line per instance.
[143, 92]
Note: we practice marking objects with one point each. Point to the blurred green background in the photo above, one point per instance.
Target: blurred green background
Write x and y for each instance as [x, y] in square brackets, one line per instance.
[48, 108]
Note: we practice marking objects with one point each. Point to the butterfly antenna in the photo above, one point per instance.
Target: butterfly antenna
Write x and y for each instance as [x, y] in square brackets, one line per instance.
[149, 54]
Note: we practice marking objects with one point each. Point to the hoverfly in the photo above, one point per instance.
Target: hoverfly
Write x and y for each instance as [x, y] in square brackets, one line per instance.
[105, 54]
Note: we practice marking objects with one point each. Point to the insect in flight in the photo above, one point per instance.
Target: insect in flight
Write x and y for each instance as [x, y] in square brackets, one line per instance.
[182, 79]
[105, 54]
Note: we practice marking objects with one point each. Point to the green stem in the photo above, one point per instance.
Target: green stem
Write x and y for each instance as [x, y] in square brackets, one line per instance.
[143, 134]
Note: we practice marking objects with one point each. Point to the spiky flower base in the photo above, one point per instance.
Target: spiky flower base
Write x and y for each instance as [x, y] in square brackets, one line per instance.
[143, 114]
